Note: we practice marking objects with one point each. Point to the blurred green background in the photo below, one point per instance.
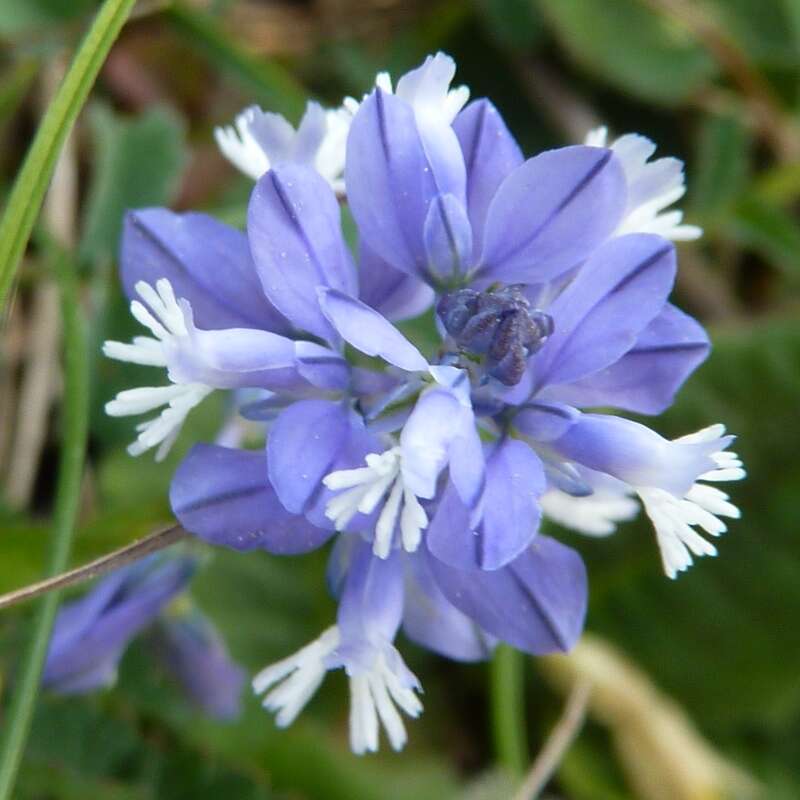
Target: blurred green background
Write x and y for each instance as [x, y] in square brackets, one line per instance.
[714, 82]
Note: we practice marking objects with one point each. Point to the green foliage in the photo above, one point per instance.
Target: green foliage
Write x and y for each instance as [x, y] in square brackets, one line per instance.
[31, 182]
[723, 159]
[138, 163]
[632, 48]
[768, 229]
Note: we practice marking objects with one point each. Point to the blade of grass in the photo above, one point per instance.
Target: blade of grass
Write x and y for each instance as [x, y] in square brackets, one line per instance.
[75, 426]
[30, 185]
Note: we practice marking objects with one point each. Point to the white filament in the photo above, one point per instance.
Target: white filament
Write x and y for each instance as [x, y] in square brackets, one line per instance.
[362, 489]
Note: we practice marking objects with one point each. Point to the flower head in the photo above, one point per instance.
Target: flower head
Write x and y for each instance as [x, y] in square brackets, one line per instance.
[430, 468]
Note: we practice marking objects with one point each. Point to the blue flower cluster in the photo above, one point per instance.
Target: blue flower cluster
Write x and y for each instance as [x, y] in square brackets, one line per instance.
[549, 280]
[91, 635]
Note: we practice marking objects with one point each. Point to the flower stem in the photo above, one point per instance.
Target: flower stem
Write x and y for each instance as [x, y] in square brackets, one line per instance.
[134, 551]
[31, 182]
[75, 425]
[507, 691]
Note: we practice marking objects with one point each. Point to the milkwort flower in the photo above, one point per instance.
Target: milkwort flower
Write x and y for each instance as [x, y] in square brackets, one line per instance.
[550, 280]
[91, 634]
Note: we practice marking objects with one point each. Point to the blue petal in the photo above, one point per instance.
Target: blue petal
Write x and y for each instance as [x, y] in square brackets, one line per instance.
[537, 603]
[247, 358]
[91, 634]
[369, 332]
[371, 604]
[432, 621]
[392, 177]
[294, 227]
[544, 421]
[208, 263]
[551, 213]
[394, 294]
[612, 299]
[647, 377]
[448, 238]
[490, 154]
[310, 439]
[635, 454]
[223, 495]
[510, 513]
[194, 653]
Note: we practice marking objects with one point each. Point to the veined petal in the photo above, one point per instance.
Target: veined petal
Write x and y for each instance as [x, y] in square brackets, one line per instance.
[448, 238]
[510, 513]
[550, 213]
[206, 262]
[294, 228]
[635, 454]
[647, 377]
[392, 177]
[598, 317]
[394, 294]
[543, 421]
[224, 496]
[307, 441]
[490, 155]
[432, 621]
[537, 603]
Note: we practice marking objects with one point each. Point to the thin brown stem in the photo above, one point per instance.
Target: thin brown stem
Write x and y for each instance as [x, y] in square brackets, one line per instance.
[557, 744]
[100, 566]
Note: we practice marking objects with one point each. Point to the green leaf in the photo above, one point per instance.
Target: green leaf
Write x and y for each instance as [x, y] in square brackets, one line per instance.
[721, 165]
[138, 163]
[769, 230]
[512, 23]
[762, 30]
[630, 47]
[31, 182]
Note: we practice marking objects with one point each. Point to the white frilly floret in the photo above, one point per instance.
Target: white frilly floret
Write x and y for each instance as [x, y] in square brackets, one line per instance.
[170, 323]
[294, 680]
[363, 489]
[597, 514]
[652, 186]
[240, 147]
[675, 518]
[375, 696]
[427, 88]
[258, 139]
[375, 693]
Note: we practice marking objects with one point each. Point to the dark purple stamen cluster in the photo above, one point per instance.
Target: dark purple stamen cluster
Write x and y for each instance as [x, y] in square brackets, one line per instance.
[500, 325]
